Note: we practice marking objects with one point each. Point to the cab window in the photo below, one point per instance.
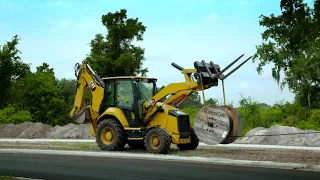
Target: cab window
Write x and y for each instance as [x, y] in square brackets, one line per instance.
[125, 93]
[109, 93]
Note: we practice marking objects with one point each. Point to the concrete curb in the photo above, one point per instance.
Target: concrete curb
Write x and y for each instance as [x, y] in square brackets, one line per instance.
[192, 159]
[252, 146]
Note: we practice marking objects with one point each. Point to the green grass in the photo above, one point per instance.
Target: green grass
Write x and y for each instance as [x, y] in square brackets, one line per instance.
[74, 145]
[84, 146]
[192, 112]
[6, 177]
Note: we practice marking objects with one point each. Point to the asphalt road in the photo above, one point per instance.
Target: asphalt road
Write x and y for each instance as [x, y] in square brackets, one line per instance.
[75, 167]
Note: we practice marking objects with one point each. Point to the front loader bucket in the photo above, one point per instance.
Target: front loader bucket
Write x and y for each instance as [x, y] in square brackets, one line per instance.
[217, 124]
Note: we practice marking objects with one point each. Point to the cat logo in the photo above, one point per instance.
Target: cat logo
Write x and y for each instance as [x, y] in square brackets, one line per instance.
[93, 86]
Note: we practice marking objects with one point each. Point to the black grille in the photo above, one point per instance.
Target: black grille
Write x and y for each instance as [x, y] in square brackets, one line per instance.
[183, 126]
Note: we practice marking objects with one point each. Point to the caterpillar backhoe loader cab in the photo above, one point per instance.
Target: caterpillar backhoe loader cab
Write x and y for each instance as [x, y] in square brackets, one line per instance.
[130, 110]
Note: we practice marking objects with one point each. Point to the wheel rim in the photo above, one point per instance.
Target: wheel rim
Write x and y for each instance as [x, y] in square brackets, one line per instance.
[107, 135]
[155, 141]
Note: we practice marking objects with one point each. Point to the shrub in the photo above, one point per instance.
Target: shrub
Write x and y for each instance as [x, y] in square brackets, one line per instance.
[313, 121]
[11, 115]
[192, 112]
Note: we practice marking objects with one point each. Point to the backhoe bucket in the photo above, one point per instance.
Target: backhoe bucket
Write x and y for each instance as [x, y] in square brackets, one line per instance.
[217, 124]
[82, 116]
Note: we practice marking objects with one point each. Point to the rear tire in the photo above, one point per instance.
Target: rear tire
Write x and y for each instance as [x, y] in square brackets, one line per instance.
[111, 135]
[194, 142]
[157, 141]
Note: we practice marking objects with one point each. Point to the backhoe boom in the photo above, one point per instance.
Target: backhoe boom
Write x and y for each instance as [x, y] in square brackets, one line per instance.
[86, 77]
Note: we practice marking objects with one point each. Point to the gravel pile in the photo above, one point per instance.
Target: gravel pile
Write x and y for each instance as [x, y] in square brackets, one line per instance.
[72, 131]
[24, 130]
[286, 140]
[38, 130]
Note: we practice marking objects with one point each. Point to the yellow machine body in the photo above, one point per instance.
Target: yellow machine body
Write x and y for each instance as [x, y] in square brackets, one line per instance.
[130, 110]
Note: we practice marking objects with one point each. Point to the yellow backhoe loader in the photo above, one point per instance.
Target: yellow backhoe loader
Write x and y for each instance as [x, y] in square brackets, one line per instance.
[130, 110]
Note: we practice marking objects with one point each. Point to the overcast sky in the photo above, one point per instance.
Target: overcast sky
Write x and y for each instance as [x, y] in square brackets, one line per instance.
[180, 31]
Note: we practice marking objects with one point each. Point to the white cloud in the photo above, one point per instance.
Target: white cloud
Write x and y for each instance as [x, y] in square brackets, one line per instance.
[13, 6]
[246, 85]
[86, 24]
[212, 17]
[62, 24]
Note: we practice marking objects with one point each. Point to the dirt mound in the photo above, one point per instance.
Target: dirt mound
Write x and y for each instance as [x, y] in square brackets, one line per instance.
[39, 130]
[24, 130]
[70, 131]
[286, 140]
[82, 131]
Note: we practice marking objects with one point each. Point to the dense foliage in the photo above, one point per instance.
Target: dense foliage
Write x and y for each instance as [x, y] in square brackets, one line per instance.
[291, 43]
[114, 55]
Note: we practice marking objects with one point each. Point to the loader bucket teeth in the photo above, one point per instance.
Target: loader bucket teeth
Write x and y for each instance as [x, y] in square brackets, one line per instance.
[217, 124]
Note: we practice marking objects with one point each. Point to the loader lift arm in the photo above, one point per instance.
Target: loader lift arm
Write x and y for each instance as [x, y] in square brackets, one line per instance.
[205, 76]
[86, 77]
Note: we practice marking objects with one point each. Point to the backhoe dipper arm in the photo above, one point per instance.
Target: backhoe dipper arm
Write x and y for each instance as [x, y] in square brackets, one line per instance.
[86, 77]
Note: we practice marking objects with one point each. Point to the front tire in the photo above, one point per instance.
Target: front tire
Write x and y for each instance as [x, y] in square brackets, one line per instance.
[111, 135]
[194, 142]
[157, 141]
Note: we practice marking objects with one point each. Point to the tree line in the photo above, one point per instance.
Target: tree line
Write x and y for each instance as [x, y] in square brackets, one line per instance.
[40, 97]
[291, 42]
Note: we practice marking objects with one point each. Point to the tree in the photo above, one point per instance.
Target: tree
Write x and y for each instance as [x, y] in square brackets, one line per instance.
[211, 101]
[114, 55]
[291, 42]
[11, 69]
[42, 97]
[68, 89]
[192, 101]
[263, 105]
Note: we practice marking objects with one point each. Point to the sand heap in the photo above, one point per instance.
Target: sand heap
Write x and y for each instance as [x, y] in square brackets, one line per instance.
[39, 130]
[306, 139]
[72, 131]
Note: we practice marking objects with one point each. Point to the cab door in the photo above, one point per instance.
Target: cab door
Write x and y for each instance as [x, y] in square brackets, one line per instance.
[124, 93]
